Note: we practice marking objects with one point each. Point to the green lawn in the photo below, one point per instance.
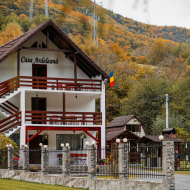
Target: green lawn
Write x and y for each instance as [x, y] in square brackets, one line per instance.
[8, 184]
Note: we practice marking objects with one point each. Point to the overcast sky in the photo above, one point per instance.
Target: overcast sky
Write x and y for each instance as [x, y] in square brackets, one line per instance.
[156, 12]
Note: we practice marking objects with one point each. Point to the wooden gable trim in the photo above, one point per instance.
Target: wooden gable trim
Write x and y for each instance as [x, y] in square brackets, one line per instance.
[72, 54]
[47, 49]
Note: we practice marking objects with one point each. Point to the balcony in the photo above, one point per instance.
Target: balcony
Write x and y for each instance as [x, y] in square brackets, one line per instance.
[60, 118]
[49, 83]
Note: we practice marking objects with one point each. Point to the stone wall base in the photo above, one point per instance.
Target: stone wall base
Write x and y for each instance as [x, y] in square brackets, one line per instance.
[81, 182]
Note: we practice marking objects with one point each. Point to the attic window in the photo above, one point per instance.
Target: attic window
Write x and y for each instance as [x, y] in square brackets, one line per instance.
[43, 45]
[34, 45]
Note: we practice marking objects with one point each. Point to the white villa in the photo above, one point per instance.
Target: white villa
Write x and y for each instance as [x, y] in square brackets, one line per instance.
[48, 85]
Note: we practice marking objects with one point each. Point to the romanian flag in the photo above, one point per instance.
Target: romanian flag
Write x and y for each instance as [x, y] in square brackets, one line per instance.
[111, 79]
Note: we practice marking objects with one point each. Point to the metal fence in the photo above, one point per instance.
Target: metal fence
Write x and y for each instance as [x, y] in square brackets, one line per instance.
[184, 162]
[145, 161]
[135, 161]
[108, 167]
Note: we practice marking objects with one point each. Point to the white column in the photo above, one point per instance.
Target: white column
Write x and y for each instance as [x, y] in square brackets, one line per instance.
[22, 109]
[103, 110]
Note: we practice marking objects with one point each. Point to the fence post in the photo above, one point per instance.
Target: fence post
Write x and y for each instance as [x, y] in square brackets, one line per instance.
[42, 157]
[63, 160]
[89, 161]
[186, 150]
[66, 160]
[93, 153]
[45, 159]
[10, 157]
[120, 151]
[168, 164]
[25, 157]
[126, 161]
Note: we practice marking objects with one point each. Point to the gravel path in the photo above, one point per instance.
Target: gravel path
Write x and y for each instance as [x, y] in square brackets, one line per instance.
[182, 182]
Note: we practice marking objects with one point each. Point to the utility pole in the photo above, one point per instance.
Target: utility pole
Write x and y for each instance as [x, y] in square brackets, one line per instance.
[94, 25]
[31, 9]
[167, 111]
[46, 8]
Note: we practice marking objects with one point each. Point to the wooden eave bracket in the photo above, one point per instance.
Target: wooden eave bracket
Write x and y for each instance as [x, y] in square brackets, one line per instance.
[72, 54]
[34, 136]
[91, 136]
[47, 49]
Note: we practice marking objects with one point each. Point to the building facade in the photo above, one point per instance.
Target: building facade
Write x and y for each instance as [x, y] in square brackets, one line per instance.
[48, 90]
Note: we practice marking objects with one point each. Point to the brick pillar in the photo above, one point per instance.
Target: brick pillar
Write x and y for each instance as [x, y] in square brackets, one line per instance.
[168, 164]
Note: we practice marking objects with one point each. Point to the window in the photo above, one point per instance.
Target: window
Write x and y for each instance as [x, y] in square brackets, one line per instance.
[128, 127]
[133, 128]
[75, 142]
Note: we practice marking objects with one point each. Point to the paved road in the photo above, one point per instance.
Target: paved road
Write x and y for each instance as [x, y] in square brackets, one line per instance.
[182, 182]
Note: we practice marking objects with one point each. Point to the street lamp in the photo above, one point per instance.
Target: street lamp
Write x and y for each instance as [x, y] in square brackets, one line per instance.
[117, 140]
[161, 137]
[125, 140]
[86, 143]
[67, 144]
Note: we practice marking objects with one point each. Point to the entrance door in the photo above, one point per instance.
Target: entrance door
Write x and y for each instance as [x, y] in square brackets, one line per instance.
[39, 71]
[35, 152]
[39, 104]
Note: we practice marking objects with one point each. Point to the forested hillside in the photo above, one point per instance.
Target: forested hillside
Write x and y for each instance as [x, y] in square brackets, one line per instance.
[148, 61]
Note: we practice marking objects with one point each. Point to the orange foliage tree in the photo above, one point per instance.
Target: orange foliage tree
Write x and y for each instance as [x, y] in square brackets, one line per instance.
[11, 31]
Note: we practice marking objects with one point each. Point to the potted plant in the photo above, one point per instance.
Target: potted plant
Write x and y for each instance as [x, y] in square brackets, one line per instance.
[102, 161]
[82, 135]
[45, 136]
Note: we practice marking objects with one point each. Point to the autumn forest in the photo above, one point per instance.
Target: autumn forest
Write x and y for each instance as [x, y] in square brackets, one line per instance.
[148, 61]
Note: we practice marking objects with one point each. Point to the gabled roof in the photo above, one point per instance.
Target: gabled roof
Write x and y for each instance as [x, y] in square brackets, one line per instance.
[61, 40]
[113, 134]
[121, 121]
[155, 139]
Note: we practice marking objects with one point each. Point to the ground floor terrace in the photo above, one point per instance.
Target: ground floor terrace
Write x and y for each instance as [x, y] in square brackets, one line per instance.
[53, 137]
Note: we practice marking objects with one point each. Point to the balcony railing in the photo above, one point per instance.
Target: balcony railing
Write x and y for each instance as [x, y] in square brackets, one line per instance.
[60, 83]
[60, 118]
[50, 83]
